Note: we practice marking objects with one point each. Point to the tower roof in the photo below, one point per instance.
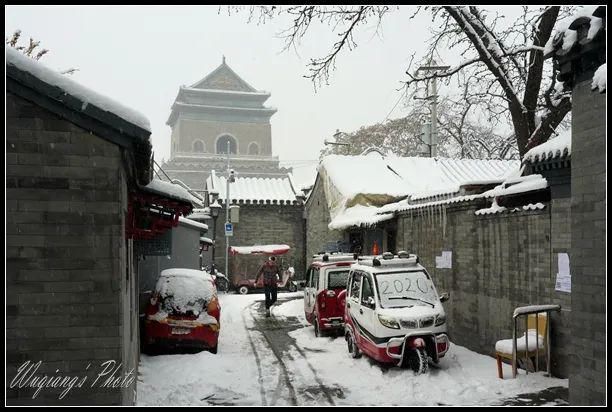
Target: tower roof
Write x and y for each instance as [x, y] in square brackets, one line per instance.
[224, 78]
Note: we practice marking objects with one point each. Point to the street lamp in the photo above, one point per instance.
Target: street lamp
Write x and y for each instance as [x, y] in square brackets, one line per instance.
[337, 143]
[215, 209]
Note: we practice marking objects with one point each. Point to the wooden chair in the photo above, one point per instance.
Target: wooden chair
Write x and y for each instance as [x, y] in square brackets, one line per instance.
[503, 348]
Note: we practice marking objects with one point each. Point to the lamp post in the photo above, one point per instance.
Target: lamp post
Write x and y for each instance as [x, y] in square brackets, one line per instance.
[337, 143]
[215, 208]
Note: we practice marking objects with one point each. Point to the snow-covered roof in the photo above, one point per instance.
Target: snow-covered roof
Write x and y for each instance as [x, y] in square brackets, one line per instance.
[255, 189]
[358, 215]
[259, 250]
[193, 223]
[374, 182]
[558, 147]
[570, 33]
[206, 240]
[170, 190]
[74, 89]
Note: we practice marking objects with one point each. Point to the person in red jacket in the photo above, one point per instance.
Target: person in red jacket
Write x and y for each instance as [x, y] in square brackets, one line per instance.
[271, 273]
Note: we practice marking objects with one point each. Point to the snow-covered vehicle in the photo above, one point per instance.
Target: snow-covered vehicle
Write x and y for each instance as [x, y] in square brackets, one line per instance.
[247, 260]
[184, 311]
[326, 278]
[393, 312]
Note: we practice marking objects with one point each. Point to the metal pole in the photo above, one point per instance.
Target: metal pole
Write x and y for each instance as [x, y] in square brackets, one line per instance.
[227, 197]
[434, 116]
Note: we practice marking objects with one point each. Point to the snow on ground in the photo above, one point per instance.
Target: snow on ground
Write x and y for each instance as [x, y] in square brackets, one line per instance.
[187, 379]
[463, 377]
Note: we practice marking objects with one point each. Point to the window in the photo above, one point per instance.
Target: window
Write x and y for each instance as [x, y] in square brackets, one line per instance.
[355, 285]
[222, 144]
[253, 149]
[198, 146]
[314, 276]
[367, 291]
[337, 279]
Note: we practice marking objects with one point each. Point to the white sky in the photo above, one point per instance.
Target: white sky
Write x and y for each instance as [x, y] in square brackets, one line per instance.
[140, 55]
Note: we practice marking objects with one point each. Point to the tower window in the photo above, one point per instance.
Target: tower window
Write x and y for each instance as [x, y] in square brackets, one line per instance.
[222, 144]
[253, 148]
[198, 146]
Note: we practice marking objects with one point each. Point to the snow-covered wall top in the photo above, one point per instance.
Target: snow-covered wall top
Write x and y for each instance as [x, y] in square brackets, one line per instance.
[557, 147]
[193, 223]
[171, 190]
[254, 189]
[259, 250]
[358, 215]
[599, 78]
[72, 88]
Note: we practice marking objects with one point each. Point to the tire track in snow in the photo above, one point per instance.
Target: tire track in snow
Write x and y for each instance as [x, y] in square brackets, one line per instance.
[257, 360]
[279, 355]
[283, 366]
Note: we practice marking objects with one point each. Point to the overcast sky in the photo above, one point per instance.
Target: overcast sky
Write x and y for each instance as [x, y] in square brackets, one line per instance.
[140, 55]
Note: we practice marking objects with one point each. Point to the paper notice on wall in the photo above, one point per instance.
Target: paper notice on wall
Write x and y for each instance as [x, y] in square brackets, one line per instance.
[445, 261]
[564, 278]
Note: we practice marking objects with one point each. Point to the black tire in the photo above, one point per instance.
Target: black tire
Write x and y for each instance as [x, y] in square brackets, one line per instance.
[243, 290]
[214, 349]
[292, 287]
[352, 347]
[416, 360]
[222, 285]
[317, 331]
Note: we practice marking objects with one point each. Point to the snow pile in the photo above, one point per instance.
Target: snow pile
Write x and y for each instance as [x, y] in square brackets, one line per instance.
[170, 190]
[537, 206]
[518, 185]
[559, 146]
[527, 340]
[259, 249]
[184, 290]
[523, 310]
[495, 208]
[600, 77]
[357, 216]
[70, 87]
[570, 36]
[197, 225]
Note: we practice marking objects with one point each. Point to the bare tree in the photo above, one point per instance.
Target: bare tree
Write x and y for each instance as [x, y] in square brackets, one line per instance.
[507, 65]
[30, 49]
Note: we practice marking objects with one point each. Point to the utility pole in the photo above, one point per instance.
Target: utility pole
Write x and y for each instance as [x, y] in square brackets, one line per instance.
[433, 98]
[337, 143]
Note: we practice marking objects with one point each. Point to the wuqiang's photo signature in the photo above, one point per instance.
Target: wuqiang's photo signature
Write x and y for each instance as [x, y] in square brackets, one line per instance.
[109, 374]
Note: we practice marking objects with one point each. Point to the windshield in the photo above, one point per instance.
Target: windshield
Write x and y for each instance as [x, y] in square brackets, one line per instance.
[401, 289]
[184, 294]
[337, 279]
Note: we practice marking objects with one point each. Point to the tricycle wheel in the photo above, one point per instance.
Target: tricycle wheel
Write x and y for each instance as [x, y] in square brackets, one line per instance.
[352, 346]
[243, 290]
[416, 359]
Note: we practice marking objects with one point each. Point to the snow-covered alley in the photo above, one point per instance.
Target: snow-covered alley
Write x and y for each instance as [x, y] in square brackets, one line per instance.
[278, 361]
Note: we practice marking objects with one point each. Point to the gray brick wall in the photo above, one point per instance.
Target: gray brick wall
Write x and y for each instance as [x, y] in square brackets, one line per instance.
[65, 268]
[317, 216]
[587, 382]
[262, 225]
[499, 262]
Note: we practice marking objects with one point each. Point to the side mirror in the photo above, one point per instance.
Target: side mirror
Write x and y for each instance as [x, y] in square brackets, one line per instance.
[370, 302]
[444, 297]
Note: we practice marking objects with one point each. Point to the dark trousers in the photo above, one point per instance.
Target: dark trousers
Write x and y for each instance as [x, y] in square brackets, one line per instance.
[270, 292]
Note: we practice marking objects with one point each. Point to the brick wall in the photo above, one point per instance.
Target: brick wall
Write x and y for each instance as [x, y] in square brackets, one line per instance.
[587, 384]
[66, 259]
[317, 216]
[499, 262]
[265, 224]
